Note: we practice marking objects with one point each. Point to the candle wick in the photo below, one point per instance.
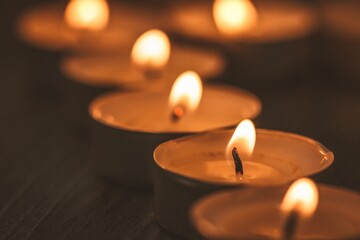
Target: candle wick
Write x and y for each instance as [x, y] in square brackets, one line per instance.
[291, 225]
[238, 163]
[177, 113]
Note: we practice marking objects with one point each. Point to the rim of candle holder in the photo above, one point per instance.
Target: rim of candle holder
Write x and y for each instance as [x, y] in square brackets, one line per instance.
[326, 161]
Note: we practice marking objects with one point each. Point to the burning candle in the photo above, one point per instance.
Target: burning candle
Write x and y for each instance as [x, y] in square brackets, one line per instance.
[241, 20]
[253, 34]
[152, 64]
[127, 122]
[190, 167]
[84, 25]
[87, 15]
[306, 212]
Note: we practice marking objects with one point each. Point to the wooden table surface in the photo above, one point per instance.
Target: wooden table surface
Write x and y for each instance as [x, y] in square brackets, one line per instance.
[49, 188]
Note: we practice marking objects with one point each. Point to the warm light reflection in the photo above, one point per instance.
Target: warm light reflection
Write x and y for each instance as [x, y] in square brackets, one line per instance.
[151, 50]
[243, 140]
[186, 92]
[301, 197]
[90, 15]
[233, 17]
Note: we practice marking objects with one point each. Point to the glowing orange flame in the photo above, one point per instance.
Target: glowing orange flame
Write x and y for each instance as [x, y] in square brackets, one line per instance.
[233, 17]
[151, 50]
[186, 92]
[90, 15]
[243, 140]
[301, 197]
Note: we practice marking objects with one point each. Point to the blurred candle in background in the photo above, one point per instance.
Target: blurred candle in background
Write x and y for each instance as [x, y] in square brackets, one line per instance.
[241, 21]
[88, 15]
[85, 26]
[274, 36]
[233, 17]
[151, 65]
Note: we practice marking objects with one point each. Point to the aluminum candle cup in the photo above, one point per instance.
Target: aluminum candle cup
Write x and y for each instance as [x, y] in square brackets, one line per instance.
[129, 126]
[280, 30]
[190, 167]
[255, 214]
[45, 27]
[117, 69]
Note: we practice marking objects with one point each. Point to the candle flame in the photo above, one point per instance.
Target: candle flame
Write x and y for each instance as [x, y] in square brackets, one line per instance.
[301, 197]
[234, 17]
[186, 92]
[91, 15]
[151, 50]
[243, 140]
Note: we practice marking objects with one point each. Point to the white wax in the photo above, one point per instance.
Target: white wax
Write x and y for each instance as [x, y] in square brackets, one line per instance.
[278, 158]
[149, 112]
[246, 213]
[117, 69]
[277, 21]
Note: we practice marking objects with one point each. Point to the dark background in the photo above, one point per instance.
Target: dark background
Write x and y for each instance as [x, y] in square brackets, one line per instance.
[49, 188]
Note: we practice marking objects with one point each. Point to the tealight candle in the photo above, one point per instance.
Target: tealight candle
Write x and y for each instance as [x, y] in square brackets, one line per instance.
[190, 167]
[152, 64]
[303, 212]
[252, 34]
[241, 20]
[84, 25]
[130, 125]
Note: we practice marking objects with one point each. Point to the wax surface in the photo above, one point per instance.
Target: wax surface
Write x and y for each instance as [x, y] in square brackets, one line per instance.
[224, 171]
[149, 112]
[117, 69]
[256, 212]
[277, 21]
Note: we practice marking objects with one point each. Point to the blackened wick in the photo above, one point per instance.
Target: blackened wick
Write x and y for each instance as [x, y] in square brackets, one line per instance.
[238, 163]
